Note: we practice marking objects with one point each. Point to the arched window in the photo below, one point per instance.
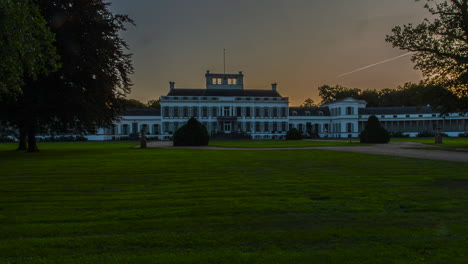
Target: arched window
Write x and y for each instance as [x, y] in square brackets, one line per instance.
[294, 113]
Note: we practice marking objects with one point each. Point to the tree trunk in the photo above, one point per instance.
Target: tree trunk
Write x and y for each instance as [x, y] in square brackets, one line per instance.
[32, 146]
[22, 146]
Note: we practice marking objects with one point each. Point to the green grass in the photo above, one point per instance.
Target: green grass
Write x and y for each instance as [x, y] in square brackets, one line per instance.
[109, 203]
[281, 143]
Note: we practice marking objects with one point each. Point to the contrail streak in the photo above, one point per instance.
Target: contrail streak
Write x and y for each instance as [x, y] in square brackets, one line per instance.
[375, 64]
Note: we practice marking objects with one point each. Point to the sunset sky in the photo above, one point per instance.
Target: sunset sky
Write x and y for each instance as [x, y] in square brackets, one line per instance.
[300, 44]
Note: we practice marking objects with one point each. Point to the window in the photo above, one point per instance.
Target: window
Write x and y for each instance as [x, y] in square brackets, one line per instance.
[349, 127]
[247, 112]
[176, 111]
[395, 116]
[320, 113]
[155, 129]
[307, 113]
[214, 112]
[232, 81]
[349, 111]
[205, 111]
[217, 81]
[125, 130]
[227, 111]
[134, 127]
[294, 113]
[407, 115]
[239, 111]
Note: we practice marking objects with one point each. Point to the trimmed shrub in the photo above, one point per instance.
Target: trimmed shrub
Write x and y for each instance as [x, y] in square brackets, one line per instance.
[399, 135]
[374, 132]
[429, 134]
[193, 133]
[463, 135]
[294, 134]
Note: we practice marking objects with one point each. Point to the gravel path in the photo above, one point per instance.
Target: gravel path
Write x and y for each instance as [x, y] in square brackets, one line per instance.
[401, 149]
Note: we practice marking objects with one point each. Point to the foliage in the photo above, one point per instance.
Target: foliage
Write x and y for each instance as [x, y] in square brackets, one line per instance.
[439, 45]
[410, 94]
[85, 93]
[154, 104]
[133, 104]
[328, 93]
[193, 133]
[374, 132]
[463, 135]
[308, 103]
[294, 134]
[429, 134]
[63, 139]
[27, 49]
[399, 135]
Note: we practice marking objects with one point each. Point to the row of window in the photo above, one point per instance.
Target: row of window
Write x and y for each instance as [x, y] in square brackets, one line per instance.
[255, 127]
[225, 111]
[337, 111]
[274, 99]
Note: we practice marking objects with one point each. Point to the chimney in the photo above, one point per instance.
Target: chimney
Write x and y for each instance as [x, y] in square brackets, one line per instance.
[171, 85]
[273, 86]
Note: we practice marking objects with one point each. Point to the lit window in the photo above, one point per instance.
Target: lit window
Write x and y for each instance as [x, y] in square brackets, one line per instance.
[217, 80]
[232, 81]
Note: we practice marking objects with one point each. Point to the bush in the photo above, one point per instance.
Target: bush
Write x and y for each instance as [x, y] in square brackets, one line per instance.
[193, 133]
[6, 139]
[429, 134]
[463, 135]
[294, 134]
[399, 135]
[374, 132]
[63, 139]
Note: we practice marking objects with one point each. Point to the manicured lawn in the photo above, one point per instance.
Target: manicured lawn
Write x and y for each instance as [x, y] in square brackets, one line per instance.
[281, 143]
[109, 203]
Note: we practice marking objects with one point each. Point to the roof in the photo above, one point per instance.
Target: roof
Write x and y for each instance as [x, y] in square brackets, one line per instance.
[142, 112]
[396, 110]
[347, 99]
[224, 92]
[313, 111]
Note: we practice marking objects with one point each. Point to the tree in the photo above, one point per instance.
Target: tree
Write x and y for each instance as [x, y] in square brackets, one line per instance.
[193, 133]
[87, 91]
[440, 45]
[133, 104]
[328, 93]
[27, 49]
[27, 53]
[308, 103]
[154, 104]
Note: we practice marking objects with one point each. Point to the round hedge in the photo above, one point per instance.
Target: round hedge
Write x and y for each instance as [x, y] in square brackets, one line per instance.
[374, 132]
[294, 134]
[193, 133]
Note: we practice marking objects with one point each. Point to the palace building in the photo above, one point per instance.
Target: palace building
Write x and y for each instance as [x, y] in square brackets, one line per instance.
[226, 107]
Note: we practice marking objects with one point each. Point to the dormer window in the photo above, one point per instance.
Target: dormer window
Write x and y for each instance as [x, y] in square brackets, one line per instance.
[294, 113]
[217, 80]
[232, 81]
[307, 113]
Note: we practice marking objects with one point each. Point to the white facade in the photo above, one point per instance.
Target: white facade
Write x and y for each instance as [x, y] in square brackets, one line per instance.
[226, 108]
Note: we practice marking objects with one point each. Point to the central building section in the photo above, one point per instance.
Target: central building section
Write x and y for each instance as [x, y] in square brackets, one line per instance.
[226, 108]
